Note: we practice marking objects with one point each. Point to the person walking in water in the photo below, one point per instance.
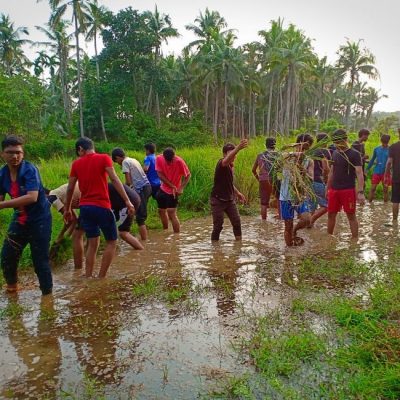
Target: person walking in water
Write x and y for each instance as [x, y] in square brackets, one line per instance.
[149, 167]
[90, 170]
[393, 167]
[224, 192]
[174, 175]
[347, 167]
[378, 161]
[264, 163]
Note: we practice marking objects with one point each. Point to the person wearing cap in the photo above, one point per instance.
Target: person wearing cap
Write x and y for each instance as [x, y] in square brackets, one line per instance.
[224, 192]
[346, 169]
[262, 171]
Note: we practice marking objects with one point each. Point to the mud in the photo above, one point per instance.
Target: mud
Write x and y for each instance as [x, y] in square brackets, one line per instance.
[96, 335]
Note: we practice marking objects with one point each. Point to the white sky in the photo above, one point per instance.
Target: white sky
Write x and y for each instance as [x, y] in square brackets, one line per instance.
[328, 22]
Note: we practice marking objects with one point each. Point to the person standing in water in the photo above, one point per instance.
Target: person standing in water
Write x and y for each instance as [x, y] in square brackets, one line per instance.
[378, 161]
[149, 167]
[393, 167]
[224, 192]
[264, 163]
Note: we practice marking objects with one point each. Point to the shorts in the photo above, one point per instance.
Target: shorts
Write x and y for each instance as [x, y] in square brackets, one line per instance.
[345, 198]
[265, 190]
[165, 200]
[93, 219]
[395, 193]
[378, 178]
[288, 209]
[320, 196]
[124, 220]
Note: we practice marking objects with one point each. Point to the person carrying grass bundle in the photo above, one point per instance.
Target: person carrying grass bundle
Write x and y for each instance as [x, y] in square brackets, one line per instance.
[264, 164]
[347, 167]
[296, 189]
[31, 222]
[90, 170]
[378, 161]
[224, 192]
[174, 175]
[135, 178]
[322, 157]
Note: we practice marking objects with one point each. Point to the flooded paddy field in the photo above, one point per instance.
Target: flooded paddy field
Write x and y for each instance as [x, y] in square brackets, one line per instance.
[177, 320]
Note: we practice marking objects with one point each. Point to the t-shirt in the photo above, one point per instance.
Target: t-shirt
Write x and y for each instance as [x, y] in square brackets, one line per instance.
[118, 203]
[394, 153]
[173, 171]
[138, 176]
[344, 171]
[265, 163]
[319, 155]
[152, 176]
[90, 170]
[61, 194]
[360, 148]
[379, 158]
[223, 188]
[28, 180]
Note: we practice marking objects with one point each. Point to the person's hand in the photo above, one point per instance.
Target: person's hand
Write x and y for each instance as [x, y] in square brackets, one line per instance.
[179, 191]
[242, 198]
[243, 144]
[130, 208]
[174, 191]
[75, 203]
[361, 198]
[68, 216]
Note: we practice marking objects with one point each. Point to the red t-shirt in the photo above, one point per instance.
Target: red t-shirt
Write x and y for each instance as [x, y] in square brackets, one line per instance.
[22, 215]
[90, 170]
[173, 171]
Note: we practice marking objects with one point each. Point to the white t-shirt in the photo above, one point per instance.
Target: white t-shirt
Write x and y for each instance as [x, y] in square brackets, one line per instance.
[138, 176]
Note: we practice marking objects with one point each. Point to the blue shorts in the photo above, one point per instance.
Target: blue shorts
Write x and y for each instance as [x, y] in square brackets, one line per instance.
[320, 196]
[288, 209]
[92, 219]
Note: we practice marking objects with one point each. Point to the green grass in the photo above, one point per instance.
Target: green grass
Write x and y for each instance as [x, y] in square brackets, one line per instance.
[148, 288]
[12, 310]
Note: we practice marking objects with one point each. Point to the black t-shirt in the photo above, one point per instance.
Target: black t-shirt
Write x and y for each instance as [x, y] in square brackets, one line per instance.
[394, 153]
[344, 171]
[319, 155]
[223, 183]
[117, 202]
[360, 148]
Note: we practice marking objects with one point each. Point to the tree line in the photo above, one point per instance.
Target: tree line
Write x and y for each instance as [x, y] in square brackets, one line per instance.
[273, 85]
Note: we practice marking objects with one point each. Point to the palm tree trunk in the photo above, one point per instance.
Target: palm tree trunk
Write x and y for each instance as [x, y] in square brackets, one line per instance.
[226, 109]
[234, 120]
[349, 100]
[215, 127]
[206, 102]
[270, 104]
[103, 128]
[78, 65]
[254, 115]
[148, 105]
[158, 109]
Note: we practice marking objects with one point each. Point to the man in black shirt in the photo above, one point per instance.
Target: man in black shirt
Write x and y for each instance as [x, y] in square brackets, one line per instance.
[223, 193]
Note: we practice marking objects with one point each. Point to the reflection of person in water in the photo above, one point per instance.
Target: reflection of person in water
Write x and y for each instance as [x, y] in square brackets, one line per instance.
[39, 350]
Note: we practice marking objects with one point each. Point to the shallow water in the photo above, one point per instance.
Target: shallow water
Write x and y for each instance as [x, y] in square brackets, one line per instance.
[152, 348]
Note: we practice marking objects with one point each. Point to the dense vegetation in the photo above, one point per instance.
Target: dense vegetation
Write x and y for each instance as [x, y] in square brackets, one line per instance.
[130, 91]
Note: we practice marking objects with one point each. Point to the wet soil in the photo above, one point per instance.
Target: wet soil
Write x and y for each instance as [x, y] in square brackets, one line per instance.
[98, 334]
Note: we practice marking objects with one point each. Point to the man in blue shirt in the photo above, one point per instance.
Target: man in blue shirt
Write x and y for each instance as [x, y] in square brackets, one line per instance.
[150, 168]
[31, 222]
[379, 159]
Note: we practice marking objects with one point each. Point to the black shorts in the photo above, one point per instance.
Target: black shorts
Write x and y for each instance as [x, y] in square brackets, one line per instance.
[165, 200]
[395, 192]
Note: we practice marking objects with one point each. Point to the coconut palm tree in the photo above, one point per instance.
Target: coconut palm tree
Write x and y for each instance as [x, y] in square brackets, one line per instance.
[11, 54]
[354, 61]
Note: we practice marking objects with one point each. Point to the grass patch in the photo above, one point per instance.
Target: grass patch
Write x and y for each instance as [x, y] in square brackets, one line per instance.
[12, 310]
[148, 288]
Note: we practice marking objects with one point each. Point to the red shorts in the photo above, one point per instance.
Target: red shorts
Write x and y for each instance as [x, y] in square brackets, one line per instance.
[378, 178]
[345, 198]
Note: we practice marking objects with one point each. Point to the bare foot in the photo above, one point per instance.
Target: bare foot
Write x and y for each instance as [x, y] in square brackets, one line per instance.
[297, 241]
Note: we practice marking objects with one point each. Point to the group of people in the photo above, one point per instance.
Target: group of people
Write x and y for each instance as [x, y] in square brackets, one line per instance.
[304, 179]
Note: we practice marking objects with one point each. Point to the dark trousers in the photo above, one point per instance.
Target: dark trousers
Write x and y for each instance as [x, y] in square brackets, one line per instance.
[37, 235]
[141, 213]
[218, 209]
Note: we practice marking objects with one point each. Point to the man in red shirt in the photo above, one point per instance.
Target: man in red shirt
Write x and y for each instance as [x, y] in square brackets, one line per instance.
[174, 175]
[91, 171]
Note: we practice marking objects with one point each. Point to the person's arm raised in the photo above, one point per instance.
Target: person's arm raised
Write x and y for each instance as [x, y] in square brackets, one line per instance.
[120, 189]
[231, 155]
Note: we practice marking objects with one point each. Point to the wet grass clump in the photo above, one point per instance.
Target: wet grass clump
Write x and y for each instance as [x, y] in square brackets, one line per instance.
[12, 310]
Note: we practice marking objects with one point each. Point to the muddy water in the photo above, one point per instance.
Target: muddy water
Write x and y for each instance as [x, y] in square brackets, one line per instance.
[150, 348]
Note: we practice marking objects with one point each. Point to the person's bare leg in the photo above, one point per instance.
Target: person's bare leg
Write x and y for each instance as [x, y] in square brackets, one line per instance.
[288, 234]
[303, 222]
[331, 222]
[173, 217]
[162, 212]
[91, 252]
[395, 209]
[108, 255]
[131, 240]
[143, 231]
[385, 193]
[318, 214]
[353, 225]
[263, 212]
[78, 249]
[372, 192]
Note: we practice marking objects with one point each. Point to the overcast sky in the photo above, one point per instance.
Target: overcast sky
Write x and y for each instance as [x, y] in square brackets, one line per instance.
[327, 22]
